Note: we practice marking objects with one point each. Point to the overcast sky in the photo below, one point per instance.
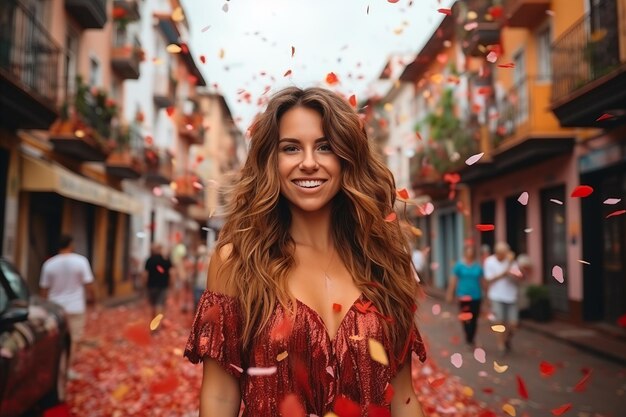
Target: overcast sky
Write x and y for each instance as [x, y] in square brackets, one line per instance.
[241, 39]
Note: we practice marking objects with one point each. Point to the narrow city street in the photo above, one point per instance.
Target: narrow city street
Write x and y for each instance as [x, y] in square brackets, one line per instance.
[124, 370]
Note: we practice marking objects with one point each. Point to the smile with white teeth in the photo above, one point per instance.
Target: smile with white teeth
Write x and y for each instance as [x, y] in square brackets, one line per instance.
[308, 183]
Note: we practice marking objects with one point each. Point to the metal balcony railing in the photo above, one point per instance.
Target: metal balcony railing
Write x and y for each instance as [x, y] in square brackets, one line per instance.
[586, 51]
[28, 54]
[513, 109]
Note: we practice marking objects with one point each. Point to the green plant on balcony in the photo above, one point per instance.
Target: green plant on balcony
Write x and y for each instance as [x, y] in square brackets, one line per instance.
[122, 138]
[450, 142]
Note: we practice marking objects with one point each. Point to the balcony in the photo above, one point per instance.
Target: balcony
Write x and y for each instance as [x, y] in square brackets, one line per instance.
[84, 131]
[480, 37]
[159, 167]
[188, 189]
[525, 13]
[126, 9]
[29, 61]
[90, 14]
[164, 90]
[190, 127]
[126, 55]
[589, 75]
[125, 162]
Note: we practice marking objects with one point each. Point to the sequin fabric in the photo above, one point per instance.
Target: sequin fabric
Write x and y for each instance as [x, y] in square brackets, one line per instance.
[308, 363]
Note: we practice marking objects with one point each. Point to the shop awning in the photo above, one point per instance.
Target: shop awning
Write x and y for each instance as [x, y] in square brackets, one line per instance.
[42, 176]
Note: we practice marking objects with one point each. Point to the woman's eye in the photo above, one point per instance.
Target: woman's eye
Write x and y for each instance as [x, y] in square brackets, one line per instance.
[325, 148]
[290, 148]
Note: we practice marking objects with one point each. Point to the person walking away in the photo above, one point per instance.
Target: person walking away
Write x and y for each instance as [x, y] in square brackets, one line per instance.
[67, 280]
[502, 293]
[465, 284]
[157, 276]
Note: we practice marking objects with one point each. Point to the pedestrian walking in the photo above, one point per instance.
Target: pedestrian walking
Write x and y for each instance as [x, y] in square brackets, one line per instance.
[466, 285]
[67, 280]
[311, 284]
[157, 272]
[503, 281]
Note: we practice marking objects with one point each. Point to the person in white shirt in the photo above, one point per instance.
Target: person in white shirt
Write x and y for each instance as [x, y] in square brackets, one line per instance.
[503, 282]
[66, 279]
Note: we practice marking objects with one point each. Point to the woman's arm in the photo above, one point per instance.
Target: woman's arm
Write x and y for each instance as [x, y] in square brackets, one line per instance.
[219, 394]
[451, 288]
[403, 392]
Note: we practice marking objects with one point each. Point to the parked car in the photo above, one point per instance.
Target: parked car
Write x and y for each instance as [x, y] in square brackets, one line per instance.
[34, 347]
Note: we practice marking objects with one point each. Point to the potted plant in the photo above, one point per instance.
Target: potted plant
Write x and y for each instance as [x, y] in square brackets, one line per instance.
[539, 302]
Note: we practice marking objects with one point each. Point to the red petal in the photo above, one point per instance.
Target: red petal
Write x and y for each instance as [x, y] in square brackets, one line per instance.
[160, 269]
[582, 384]
[391, 217]
[488, 390]
[286, 74]
[331, 78]
[507, 65]
[291, 406]
[170, 111]
[604, 117]
[282, 329]
[390, 1]
[167, 384]
[362, 306]
[336, 307]
[546, 368]
[437, 382]
[465, 316]
[293, 51]
[452, 178]
[378, 411]
[582, 191]
[616, 213]
[622, 321]
[352, 100]
[485, 227]
[403, 193]
[521, 387]
[346, 408]
[445, 11]
[562, 409]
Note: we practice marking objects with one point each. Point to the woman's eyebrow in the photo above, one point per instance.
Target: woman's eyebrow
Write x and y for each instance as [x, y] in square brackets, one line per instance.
[295, 140]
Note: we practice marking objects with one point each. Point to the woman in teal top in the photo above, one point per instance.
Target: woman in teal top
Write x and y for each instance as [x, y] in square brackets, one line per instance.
[466, 284]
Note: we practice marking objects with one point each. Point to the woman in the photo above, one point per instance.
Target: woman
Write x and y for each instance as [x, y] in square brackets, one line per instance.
[467, 283]
[310, 298]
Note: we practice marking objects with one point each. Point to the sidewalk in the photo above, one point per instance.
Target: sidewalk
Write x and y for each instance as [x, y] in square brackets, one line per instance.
[605, 343]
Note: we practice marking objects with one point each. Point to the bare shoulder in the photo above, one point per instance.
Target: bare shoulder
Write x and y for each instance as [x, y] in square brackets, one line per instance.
[219, 273]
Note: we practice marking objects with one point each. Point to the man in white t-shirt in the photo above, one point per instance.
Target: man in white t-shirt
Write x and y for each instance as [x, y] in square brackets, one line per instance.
[503, 284]
[66, 279]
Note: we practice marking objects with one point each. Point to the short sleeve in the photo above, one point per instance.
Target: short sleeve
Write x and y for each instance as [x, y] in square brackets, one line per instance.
[87, 274]
[457, 269]
[413, 344]
[44, 281]
[216, 332]
[489, 269]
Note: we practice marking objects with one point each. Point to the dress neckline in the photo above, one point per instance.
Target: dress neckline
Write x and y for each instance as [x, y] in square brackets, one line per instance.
[321, 320]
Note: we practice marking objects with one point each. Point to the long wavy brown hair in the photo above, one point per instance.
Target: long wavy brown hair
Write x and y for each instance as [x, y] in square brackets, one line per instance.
[374, 250]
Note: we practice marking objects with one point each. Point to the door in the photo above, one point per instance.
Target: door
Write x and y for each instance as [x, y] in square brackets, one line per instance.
[554, 244]
[515, 225]
[488, 216]
[4, 172]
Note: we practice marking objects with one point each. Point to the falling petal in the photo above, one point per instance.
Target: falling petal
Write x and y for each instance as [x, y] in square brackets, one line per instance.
[393, 1]
[437, 382]
[507, 65]
[293, 51]
[492, 57]
[498, 328]
[523, 198]
[612, 201]
[583, 262]
[336, 307]
[457, 360]
[528, 230]
[173, 48]
[291, 406]
[616, 213]
[468, 392]
[447, 12]
[474, 158]
[479, 355]
[436, 309]
[521, 387]
[499, 368]
[352, 100]
[331, 78]
[546, 369]
[403, 193]
[204, 29]
[287, 73]
[254, 371]
[485, 227]
[509, 409]
[170, 110]
[561, 410]
[622, 321]
[225, 7]
[582, 191]
[582, 384]
[605, 116]
[555, 201]
[391, 217]
[557, 273]
[377, 352]
[154, 324]
[282, 356]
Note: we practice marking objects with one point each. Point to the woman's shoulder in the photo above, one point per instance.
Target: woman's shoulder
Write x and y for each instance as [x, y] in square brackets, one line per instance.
[218, 279]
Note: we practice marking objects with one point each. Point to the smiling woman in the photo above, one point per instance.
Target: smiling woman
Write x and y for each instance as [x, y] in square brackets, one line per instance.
[310, 298]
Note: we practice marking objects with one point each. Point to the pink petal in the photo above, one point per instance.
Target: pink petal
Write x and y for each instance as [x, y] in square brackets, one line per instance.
[474, 158]
[457, 360]
[557, 273]
[479, 355]
[612, 201]
[523, 198]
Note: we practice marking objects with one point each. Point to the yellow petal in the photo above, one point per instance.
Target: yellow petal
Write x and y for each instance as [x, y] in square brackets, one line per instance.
[120, 391]
[177, 15]
[498, 328]
[221, 53]
[172, 48]
[282, 356]
[178, 352]
[499, 368]
[509, 409]
[154, 324]
[468, 392]
[377, 352]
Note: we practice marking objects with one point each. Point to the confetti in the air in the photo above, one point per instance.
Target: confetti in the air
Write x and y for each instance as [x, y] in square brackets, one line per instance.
[498, 328]
[282, 356]
[507, 65]
[474, 158]
[499, 368]
[521, 387]
[582, 191]
[287, 73]
[557, 273]
[612, 201]
[509, 409]
[391, 217]
[204, 29]
[582, 384]
[331, 78]
[546, 369]
[616, 213]
[253, 371]
[555, 201]
[172, 48]
[561, 410]
[479, 355]
[605, 116]
[523, 198]
[436, 309]
[225, 7]
[154, 324]
[485, 227]
[447, 12]
[457, 360]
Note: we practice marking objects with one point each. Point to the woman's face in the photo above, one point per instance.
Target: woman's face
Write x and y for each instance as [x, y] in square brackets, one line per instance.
[309, 171]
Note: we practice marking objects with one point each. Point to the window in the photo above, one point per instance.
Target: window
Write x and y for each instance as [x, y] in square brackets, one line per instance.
[71, 59]
[94, 72]
[519, 80]
[544, 63]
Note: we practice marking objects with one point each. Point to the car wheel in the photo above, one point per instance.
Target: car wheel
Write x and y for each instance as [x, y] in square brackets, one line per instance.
[57, 393]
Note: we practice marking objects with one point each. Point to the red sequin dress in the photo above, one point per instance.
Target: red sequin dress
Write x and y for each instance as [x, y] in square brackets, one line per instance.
[315, 368]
